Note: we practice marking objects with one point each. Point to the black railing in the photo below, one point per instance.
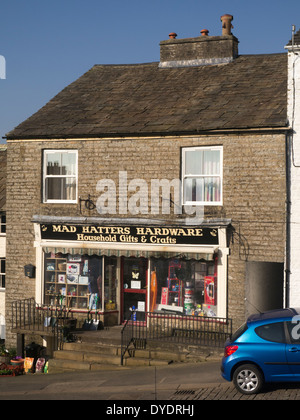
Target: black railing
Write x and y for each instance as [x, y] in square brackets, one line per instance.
[143, 327]
[28, 316]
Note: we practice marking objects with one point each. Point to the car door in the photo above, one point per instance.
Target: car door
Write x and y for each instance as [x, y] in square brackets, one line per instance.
[271, 352]
[293, 347]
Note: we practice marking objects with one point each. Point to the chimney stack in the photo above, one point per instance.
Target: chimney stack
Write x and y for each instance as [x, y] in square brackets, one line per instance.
[203, 50]
[226, 24]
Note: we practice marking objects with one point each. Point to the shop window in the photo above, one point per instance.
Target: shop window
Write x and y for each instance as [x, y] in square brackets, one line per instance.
[189, 287]
[202, 171]
[76, 281]
[110, 283]
[2, 223]
[60, 176]
[2, 273]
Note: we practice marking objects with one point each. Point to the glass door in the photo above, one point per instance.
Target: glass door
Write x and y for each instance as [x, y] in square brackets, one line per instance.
[134, 288]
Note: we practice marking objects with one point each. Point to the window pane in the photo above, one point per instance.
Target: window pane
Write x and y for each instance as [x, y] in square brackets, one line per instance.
[211, 162]
[61, 163]
[202, 162]
[53, 163]
[68, 163]
[74, 281]
[61, 188]
[2, 223]
[272, 332]
[193, 162]
[294, 331]
[202, 189]
[212, 189]
[110, 298]
[183, 284]
[2, 273]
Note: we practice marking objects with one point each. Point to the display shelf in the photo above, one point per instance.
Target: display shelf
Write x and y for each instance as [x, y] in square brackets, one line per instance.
[63, 287]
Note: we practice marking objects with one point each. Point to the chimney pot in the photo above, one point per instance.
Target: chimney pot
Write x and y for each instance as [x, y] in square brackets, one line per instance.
[172, 35]
[226, 24]
[204, 32]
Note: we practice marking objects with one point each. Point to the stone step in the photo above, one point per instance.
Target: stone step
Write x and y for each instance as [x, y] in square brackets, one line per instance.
[67, 363]
[94, 353]
[93, 348]
[63, 365]
[82, 356]
[157, 355]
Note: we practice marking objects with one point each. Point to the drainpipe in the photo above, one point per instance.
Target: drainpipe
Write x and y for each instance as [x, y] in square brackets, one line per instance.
[288, 220]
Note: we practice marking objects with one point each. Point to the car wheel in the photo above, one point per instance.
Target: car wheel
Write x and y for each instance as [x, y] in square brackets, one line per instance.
[248, 379]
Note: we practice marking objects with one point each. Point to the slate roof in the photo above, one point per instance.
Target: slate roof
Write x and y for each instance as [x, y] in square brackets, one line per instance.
[2, 178]
[143, 99]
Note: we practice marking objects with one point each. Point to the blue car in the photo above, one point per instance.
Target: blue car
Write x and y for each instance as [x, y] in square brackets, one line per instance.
[264, 349]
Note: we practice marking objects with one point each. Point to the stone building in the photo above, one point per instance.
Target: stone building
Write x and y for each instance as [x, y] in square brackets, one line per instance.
[2, 238]
[293, 210]
[207, 125]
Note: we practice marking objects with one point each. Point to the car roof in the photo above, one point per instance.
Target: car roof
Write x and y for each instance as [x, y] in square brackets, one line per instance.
[274, 314]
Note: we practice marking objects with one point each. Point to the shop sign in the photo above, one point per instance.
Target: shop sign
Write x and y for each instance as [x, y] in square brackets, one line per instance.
[131, 234]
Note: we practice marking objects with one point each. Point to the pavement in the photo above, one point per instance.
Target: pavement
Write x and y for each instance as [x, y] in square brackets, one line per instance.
[176, 384]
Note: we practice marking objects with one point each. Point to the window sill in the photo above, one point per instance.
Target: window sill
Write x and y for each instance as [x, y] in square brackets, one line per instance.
[60, 202]
[207, 203]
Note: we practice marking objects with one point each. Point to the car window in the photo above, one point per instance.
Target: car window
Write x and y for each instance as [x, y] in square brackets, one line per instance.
[239, 332]
[272, 332]
[294, 331]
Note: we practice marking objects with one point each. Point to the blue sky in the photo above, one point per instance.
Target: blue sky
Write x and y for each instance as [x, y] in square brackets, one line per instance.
[49, 44]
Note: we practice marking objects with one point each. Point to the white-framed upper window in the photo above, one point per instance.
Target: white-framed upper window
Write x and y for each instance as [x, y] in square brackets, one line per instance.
[2, 273]
[60, 176]
[2, 223]
[202, 175]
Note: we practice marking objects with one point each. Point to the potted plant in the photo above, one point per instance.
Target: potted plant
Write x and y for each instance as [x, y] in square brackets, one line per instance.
[17, 361]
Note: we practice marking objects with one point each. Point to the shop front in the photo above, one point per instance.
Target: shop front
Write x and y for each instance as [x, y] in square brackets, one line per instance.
[116, 269]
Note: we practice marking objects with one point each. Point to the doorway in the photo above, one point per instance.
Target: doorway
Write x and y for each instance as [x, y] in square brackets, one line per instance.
[264, 286]
[134, 282]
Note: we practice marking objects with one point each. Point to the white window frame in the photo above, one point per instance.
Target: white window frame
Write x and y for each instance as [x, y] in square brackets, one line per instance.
[1, 273]
[186, 176]
[45, 176]
[2, 224]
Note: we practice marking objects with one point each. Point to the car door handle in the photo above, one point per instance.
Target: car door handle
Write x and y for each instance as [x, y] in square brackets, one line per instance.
[293, 349]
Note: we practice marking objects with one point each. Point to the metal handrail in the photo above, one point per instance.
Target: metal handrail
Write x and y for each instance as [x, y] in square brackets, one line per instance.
[143, 327]
[27, 315]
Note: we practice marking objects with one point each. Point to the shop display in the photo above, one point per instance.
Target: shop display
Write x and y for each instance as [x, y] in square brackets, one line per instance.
[186, 286]
[72, 281]
[102, 283]
[75, 281]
